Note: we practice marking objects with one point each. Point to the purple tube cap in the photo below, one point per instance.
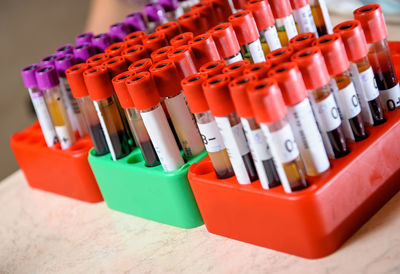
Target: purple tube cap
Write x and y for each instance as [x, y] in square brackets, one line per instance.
[48, 60]
[28, 75]
[169, 5]
[84, 38]
[65, 49]
[118, 31]
[46, 77]
[136, 21]
[63, 63]
[101, 41]
[155, 12]
[83, 52]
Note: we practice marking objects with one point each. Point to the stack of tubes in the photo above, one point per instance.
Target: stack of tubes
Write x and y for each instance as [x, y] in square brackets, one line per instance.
[234, 78]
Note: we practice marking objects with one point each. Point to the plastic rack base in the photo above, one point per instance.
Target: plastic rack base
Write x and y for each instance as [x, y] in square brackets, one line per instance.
[314, 222]
[129, 186]
[65, 172]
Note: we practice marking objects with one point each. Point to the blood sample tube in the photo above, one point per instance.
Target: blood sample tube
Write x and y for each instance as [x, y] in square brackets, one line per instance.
[227, 44]
[207, 125]
[192, 22]
[39, 104]
[374, 26]
[265, 21]
[84, 38]
[65, 49]
[361, 71]
[181, 39]
[302, 41]
[161, 54]
[247, 34]
[101, 92]
[222, 10]
[135, 120]
[236, 69]
[136, 21]
[207, 13]
[280, 56]
[213, 68]
[48, 60]
[155, 15]
[303, 16]
[301, 118]
[284, 20]
[48, 83]
[97, 59]
[166, 78]
[101, 41]
[74, 113]
[184, 61]
[258, 144]
[220, 102]
[270, 112]
[115, 49]
[154, 41]
[134, 53]
[75, 79]
[141, 65]
[118, 31]
[145, 96]
[171, 8]
[115, 66]
[83, 52]
[321, 17]
[342, 87]
[170, 29]
[134, 38]
[259, 71]
[316, 77]
[204, 49]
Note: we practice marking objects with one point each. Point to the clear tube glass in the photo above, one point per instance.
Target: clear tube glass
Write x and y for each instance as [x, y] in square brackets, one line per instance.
[253, 52]
[321, 17]
[305, 20]
[286, 28]
[270, 39]
[235, 58]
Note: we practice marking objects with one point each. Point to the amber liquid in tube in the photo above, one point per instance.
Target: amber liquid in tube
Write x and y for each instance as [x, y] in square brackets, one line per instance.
[318, 17]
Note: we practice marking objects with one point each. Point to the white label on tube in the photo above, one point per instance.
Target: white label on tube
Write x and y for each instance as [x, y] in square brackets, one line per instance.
[64, 134]
[256, 51]
[236, 145]
[272, 38]
[308, 138]
[326, 113]
[44, 118]
[105, 131]
[286, 146]
[259, 150]
[163, 140]
[238, 57]
[290, 26]
[325, 14]
[211, 136]
[305, 20]
[184, 124]
[390, 98]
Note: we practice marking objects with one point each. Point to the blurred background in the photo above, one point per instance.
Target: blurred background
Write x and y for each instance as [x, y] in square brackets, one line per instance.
[34, 29]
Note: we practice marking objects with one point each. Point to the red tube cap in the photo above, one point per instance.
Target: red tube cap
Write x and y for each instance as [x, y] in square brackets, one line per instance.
[262, 13]
[115, 65]
[143, 91]
[170, 29]
[166, 78]
[134, 53]
[239, 4]
[207, 13]
[192, 87]
[225, 39]
[184, 61]
[154, 41]
[181, 39]
[134, 38]
[280, 8]
[334, 53]
[97, 59]
[75, 79]
[298, 4]
[218, 97]
[353, 39]
[290, 82]
[236, 69]
[239, 95]
[119, 83]
[222, 9]
[213, 68]
[115, 49]
[302, 41]
[98, 83]
[192, 22]
[280, 55]
[259, 70]
[245, 27]
[204, 49]
[372, 22]
[266, 101]
[160, 54]
[141, 65]
[312, 66]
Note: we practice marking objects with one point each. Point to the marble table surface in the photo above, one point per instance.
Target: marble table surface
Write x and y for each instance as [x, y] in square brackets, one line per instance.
[42, 232]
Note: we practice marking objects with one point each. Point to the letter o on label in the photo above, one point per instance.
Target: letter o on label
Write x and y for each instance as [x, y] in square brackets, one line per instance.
[354, 100]
[289, 145]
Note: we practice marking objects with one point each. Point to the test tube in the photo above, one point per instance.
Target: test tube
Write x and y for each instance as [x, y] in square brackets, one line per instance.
[48, 83]
[361, 71]
[83, 52]
[265, 21]
[227, 44]
[184, 61]
[301, 118]
[170, 29]
[115, 66]
[284, 21]
[154, 41]
[118, 31]
[145, 96]
[280, 56]
[134, 53]
[75, 79]
[48, 60]
[161, 54]
[258, 71]
[141, 65]
[155, 15]
[303, 16]
[258, 144]
[101, 41]
[270, 112]
[171, 8]
[115, 49]
[204, 49]
[207, 13]
[134, 38]
[39, 104]
[247, 34]
[342, 87]
[101, 92]
[316, 77]
[192, 22]
[213, 68]
[135, 120]
[302, 41]
[65, 49]
[220, 102]
[374, 26]
[181, 39]
[83, 38]
[212, 139]
[236, 69]
[136, 21]
[321, 17]
[166, 78]
[74, 112]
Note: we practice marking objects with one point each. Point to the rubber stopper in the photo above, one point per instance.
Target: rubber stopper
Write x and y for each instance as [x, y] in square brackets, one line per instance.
[170, 29]
[372, 22]
[97, 59]
[184, 61]
[225, 39]
[218, 96]
[154, 41]
[134, 53]
[259, 70]
[332, 48]
[115, 49]
[160, 54]
[298, 4]
[280, 55]
[204, 49]
[134, 38]
[98, 83]
[115, 65]
[143, 91]
[166, 78]
[119, 83]
[245, 27]
[213, 68]
[141, 65]
[75, 79]
[280, 8]
[303, 40]
[236, 69]
[239, 95]
[192, 87]
[181, 39]
[192, 22]
[262, 13]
